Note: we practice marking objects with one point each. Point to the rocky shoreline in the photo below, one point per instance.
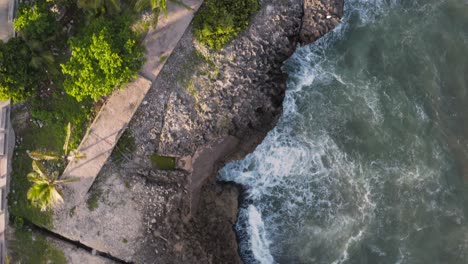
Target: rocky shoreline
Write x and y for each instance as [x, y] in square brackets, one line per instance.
[202, 99]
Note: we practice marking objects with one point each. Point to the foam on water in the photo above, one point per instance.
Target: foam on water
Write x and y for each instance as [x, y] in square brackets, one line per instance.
[318, 186]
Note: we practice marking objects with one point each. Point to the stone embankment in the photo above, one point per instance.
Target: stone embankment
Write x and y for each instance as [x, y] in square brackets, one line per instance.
[205, 99]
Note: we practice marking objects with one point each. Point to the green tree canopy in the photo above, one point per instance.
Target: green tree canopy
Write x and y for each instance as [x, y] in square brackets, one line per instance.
[18, 79]
[104, 57]
[35, 21]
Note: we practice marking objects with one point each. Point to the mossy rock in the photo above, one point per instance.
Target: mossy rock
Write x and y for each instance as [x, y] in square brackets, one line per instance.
[163, 162]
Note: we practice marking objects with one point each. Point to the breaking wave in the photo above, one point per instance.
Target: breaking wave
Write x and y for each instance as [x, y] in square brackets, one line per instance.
[358, 169]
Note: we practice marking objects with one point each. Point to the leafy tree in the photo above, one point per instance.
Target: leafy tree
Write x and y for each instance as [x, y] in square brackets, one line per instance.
[43, 192]
[35, 21]
[219, 21]
[18, 79]
[104, 58]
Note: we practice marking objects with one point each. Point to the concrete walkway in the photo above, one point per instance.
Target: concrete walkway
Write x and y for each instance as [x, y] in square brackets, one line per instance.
[6, 19]
[119, 109]
[7, 144]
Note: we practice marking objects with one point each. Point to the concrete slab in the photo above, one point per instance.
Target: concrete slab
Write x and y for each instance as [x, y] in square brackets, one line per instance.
[6, 19]
[162, 41]
[101, 138]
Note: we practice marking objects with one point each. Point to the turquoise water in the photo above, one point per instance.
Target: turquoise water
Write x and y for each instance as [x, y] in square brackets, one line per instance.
[369, 162]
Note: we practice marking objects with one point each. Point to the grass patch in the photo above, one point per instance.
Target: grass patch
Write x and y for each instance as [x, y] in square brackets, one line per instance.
[163, 162]
[218, 22]
[93, 200]
[125, 147]
[29, 247]
[54, 115]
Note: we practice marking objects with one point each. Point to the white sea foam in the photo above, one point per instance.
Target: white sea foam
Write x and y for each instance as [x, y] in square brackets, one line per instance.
[258, 237]
[299, 181]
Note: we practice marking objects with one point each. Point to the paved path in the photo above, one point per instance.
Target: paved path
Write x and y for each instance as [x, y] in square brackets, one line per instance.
[8, 142]
[6, 17]
[113, 118]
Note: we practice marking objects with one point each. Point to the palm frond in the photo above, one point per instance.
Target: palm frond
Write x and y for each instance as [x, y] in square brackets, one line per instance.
[54, 176]
[35, 62]
[55, 198]
[35, 178]
[34, 45]
[44, 196]
[47, 57]
[39, 194]
[163, 6]
[67, 139]
[36, 155]
[141, 5]
[75, 154]
[67, 180]
[114, 4]
[39, 169]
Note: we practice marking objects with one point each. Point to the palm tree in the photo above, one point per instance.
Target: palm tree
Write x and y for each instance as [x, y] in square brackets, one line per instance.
[141, 5]
[43, 192]
[67, 155]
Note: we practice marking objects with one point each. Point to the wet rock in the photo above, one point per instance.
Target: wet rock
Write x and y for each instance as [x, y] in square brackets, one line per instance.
[320, 16]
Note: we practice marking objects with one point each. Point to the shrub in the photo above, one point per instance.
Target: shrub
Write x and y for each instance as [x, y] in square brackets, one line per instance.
[18, 80]
[35, 21]
[104, 57]
[220, 21]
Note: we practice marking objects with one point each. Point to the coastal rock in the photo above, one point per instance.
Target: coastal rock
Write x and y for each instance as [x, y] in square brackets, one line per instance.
[201, 97]
[320, 16]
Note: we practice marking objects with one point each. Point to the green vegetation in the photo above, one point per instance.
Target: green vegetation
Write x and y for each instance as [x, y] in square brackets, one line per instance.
[105, 57]
[33, 247]
[141, 5]
[54, 116]
[163, 162]
[219, 21]
[43, 192]
[65, 155]
[27, 62]
[30, 71]
[125, 147]
[36, 21]
[95, 7]
[93, 199]
[18, 79]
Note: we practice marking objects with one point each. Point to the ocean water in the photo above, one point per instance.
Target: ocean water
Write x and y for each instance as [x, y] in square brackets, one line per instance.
[369, 161]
